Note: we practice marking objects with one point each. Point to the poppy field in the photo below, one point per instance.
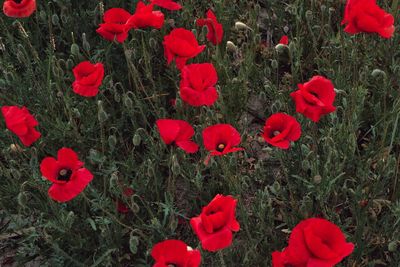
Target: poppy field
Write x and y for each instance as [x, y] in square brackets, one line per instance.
[194, 133]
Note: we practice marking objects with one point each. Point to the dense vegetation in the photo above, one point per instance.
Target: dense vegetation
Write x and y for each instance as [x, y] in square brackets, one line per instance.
[344, 168]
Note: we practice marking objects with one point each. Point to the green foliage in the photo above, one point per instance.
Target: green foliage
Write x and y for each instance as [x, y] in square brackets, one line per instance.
[345, 168]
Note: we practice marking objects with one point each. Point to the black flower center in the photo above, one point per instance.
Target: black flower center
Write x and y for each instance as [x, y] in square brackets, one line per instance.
[64, 175]
[221, 147]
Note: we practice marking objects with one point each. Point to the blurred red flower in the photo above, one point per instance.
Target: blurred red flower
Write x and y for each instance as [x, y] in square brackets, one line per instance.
[19, 8]
[315, 98]
[22, 123]
[221, 139]
[88, 78]
[114, 26]
[144, 16]
[167, 4]
[181, 45]
[175, 253]
[216, 222]
[280, 129]
[121, 206]
[367, 16]
[197, 86]
[314, 242]
[67, 174]
[284, 40]
[179, 132]
[215, 29]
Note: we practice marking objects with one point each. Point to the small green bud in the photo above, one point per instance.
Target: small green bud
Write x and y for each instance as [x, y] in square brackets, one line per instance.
[75, 50]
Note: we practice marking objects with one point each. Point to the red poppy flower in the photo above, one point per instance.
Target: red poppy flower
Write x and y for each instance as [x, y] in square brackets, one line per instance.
[88, 78]
[197, 87]
[216, 222]
[121, 206]
[179, 132]
[221, 139]
[19, 8]
[314, 242]
[284, 40]
[181, 45]
[22, 123]
[315, 98]
[114, 26]
[175, 253]
[215, 29]
[367, 16]
[167, 4]
[145, 17]
[280, 129]
[67, 174]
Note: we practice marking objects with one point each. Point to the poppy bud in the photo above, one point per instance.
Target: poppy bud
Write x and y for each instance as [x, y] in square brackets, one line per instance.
[377, 72]
[112, 141]
[136, 140]
[323, 8]
[42, 15]
[70, 64]
[153, 43]
[135, 207]
[15, 148]
[128, 102]
[241, 26]
[85, 43]
[55, 20]
[22, 199]
[75, 49]
[286, 29]
[230, 46]
[317, 179]
[150, 168]
[70, 219]
[117, 97]
[392, 247]
[275, 187]
[274, 64]
[76, 113]
[101, 114]
[113, 180]
[133, 243]
[64, 18]
[309, 15]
